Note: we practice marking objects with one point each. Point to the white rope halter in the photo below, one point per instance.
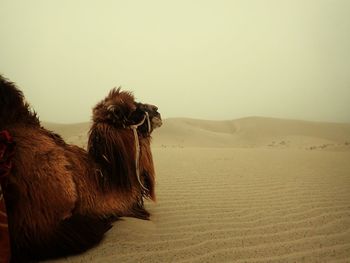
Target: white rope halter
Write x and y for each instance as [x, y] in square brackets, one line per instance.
[1, 212]
[1, 194]
[137, 146]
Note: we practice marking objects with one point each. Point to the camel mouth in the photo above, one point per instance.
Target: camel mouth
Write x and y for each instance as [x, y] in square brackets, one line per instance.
[157, 121]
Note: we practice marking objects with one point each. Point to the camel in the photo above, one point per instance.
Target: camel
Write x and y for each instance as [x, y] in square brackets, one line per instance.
[61, 199]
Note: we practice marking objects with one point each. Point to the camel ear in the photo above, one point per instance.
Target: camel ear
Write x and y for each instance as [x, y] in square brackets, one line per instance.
[107, 147]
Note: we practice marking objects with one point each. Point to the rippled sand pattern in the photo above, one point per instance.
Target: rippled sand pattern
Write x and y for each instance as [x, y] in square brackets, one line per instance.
[248, 190]
[239, 205]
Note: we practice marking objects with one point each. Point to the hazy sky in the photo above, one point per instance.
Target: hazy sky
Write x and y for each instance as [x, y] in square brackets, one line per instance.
[202, 59]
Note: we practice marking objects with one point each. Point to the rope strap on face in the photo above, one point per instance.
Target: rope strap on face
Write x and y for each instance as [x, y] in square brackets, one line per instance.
[137, 147]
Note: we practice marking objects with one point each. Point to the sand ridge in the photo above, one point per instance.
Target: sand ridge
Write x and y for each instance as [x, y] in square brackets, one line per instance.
[252, 132]
[245, 132]
[226, 195]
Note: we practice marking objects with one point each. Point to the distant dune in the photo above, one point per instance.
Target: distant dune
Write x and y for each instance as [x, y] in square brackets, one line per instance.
[246, 132]
[247, 190]
[252, 132]
[73, 133]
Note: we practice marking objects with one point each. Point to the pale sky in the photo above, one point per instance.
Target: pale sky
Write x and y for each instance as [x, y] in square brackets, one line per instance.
[200, 59]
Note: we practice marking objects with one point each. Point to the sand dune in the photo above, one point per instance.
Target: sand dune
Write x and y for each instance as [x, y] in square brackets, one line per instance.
[247, 132]
[248, 190]
[72, 133]
[251, 132]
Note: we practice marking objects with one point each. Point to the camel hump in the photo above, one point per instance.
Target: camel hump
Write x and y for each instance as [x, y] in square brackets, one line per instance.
[13, 107]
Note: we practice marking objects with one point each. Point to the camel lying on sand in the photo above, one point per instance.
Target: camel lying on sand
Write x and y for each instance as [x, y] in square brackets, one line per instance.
[60, 198]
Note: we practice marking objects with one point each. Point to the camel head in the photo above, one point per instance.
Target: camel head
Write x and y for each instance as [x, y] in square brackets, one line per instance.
[120, 110]
[119, 141]
[152, 117]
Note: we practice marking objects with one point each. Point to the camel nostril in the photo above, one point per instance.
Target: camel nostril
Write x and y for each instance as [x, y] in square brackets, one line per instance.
[155, 108]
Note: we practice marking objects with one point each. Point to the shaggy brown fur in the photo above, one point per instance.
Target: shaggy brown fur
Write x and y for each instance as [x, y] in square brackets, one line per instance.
[60, 198]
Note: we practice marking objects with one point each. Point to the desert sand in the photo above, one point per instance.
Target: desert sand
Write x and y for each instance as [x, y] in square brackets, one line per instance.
[248, 190]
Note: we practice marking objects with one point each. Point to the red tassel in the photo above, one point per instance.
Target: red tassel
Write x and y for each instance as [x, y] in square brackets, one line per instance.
[6, 154]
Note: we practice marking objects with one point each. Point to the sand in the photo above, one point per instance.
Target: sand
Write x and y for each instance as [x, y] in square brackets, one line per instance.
[248, 190]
